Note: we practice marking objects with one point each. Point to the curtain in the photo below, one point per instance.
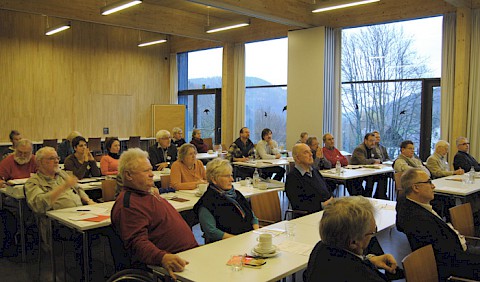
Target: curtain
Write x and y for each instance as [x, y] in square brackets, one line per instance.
[473, 116]
[239, 91]
[448, 76]
[332, 113]
[173, 79]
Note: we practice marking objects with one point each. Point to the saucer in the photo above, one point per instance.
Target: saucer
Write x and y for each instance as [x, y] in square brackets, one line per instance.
[269, 255]
[272, 251]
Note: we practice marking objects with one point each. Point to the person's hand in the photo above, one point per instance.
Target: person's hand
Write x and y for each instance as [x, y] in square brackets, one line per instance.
[278, 156]
[173, 263]
[327, 202]
[377, 161]
[459, 171]
[319, 153]
[89, 155]
[161, 166]
[245, 159]
[70, 181]
[202, 181]
[2, 183]
[90, 202]
[386, 261]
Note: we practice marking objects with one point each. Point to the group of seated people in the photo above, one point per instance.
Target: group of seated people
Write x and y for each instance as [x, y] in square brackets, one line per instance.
[346, 228]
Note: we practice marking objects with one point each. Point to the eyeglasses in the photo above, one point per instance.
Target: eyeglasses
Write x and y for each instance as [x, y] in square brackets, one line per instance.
[52, 158]
[466, 143]
[372, 233]
[226, 175]
[429, 181]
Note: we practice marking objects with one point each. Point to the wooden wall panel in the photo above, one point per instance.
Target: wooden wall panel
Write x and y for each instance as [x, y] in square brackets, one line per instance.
[89, 77]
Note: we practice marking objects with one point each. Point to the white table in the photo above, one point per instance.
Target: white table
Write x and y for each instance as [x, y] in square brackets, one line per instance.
[357, 171]
[207, 156]
[454, 187]
[265, 163]
[215, 255]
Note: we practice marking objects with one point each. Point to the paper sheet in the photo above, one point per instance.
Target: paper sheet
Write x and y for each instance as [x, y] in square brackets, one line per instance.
[295, 247]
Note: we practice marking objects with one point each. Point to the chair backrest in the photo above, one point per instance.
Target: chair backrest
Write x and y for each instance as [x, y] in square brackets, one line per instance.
[266, 207]
[50, 143]
[420, 265]
[95, 144]
[165, 181]
[462, 219]
[108, 189]
[133, 142]
[398, 184]
[209, 143]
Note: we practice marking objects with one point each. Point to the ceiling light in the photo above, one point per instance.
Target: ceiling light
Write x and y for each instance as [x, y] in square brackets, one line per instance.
[339, 5]
[226, 26]
[151, 42]
[119, 5]
[58, 28]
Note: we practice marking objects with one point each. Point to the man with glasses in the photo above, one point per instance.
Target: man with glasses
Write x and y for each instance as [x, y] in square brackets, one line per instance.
[19, 164]
[346, 228]
[423, 226]
[407, 159]
[163, 153]
[463, 159]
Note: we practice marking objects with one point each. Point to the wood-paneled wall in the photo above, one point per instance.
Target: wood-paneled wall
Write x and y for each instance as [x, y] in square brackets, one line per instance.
[86, 78]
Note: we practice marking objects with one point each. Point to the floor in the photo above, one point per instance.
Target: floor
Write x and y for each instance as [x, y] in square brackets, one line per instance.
[12, 269]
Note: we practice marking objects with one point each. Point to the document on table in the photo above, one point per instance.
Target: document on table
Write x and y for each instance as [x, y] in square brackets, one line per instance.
[85, 212]
[295, 247]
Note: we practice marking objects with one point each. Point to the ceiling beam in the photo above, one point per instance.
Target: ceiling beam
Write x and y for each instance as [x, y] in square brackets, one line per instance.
[290, 12]
[460, 3]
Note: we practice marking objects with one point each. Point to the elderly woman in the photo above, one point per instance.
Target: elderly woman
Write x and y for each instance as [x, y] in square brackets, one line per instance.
[223, 211]
[198, 141]
[65, 148]
[187, 172]
[177, 139]
[81, 163]
[163, 154]
[109, 162]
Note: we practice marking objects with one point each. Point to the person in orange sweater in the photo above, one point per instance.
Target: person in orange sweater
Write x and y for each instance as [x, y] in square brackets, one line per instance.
[187, 172]
[109, 162]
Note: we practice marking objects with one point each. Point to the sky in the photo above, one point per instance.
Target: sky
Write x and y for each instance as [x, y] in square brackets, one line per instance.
[268, 59]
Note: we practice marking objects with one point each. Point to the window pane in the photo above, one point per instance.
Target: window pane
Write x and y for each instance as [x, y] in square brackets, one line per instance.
[263, 111]
[436, 117]
[266, 62]
[205, 69]
[206, 115]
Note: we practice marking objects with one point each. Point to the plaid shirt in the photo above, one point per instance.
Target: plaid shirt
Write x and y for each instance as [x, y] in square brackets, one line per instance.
[240, 150]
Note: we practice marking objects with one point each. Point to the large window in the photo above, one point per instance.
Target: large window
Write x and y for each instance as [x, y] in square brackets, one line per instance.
[390, 83]
[199, 84]
[266, 88]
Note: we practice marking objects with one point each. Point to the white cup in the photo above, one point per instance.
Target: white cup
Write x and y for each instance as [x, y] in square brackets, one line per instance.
[210, 151]
[243, 182]
[202, 187]
[264, 243]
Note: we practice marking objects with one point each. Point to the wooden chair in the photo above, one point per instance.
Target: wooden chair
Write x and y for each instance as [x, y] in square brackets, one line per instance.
[108, 190]
[209, 143]
[133, 142]
[462, 219]
[50, 143]
[420, 265]
[266, 207]
[398, 183]
[165, 181]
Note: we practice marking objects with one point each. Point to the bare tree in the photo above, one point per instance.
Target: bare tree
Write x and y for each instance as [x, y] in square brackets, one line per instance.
[374, 58]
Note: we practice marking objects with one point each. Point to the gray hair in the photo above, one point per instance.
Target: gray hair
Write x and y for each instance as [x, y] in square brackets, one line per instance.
[310, 140]
[183, 150]
[459, 140]
[72, 135]
[409, 178]
[42, 152]
[195, 131]
[296, 149]
[127, 161]
[162, 134]
[345, 220]
[176, 130]
[216, 167]
[24, 142]
[441, 143]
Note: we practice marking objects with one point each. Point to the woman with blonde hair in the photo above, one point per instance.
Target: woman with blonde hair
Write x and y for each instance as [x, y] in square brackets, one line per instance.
[187, 172]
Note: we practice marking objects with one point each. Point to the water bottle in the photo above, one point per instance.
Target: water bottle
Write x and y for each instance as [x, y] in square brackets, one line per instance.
[338, 167]
[471, 176]
[256, 178]
[219, 149]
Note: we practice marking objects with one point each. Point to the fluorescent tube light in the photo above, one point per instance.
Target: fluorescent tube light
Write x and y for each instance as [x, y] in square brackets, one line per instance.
[119, 5]
[57, 28]
[226, 26]
[333, 6]
[152, 42]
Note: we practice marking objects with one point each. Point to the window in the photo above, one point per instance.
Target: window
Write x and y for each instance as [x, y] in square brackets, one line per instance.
[199, 84]
[266, 88]
[390, 83]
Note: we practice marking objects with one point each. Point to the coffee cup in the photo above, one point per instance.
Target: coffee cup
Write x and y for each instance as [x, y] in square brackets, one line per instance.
[243, 182]
[202, 187]
[210, 151]
[264, 243]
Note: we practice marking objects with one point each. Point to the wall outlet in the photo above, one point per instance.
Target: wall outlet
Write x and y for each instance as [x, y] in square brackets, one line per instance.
[105, 130]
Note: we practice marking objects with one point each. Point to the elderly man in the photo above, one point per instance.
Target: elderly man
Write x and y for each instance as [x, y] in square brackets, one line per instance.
[423, 226]
[379, 148]
[346, 228]
[331, 153]
[407, 159]
[163, 153]
[320, 162]
[20, 164]
[305, 186]
[14, 137]
[463, 159]
[240, 151]
[150, 228]
[437, 163]
[267, 148]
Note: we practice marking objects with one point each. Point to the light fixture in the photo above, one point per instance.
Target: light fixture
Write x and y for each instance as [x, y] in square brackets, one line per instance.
[340, 4]
[57, 28]
[119, 5]
[226, 26]
[151, 42]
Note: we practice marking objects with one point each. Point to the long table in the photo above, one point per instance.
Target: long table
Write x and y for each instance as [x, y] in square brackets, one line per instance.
[208, 262]
[452, 186]
[265, 163]
[63, 216]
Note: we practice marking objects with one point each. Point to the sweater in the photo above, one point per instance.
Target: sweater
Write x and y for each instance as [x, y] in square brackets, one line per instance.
[85, 170]
[181, 178]
[108, 165]
[201, 147]
[332, 155]
[9, 169]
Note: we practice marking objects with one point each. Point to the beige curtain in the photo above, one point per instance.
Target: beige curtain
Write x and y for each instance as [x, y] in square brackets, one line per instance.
[173, 79]
[473, 117]
[448, 76]
[239, 84]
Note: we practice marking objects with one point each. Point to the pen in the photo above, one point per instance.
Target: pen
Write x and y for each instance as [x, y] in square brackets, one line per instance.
[83, 210]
